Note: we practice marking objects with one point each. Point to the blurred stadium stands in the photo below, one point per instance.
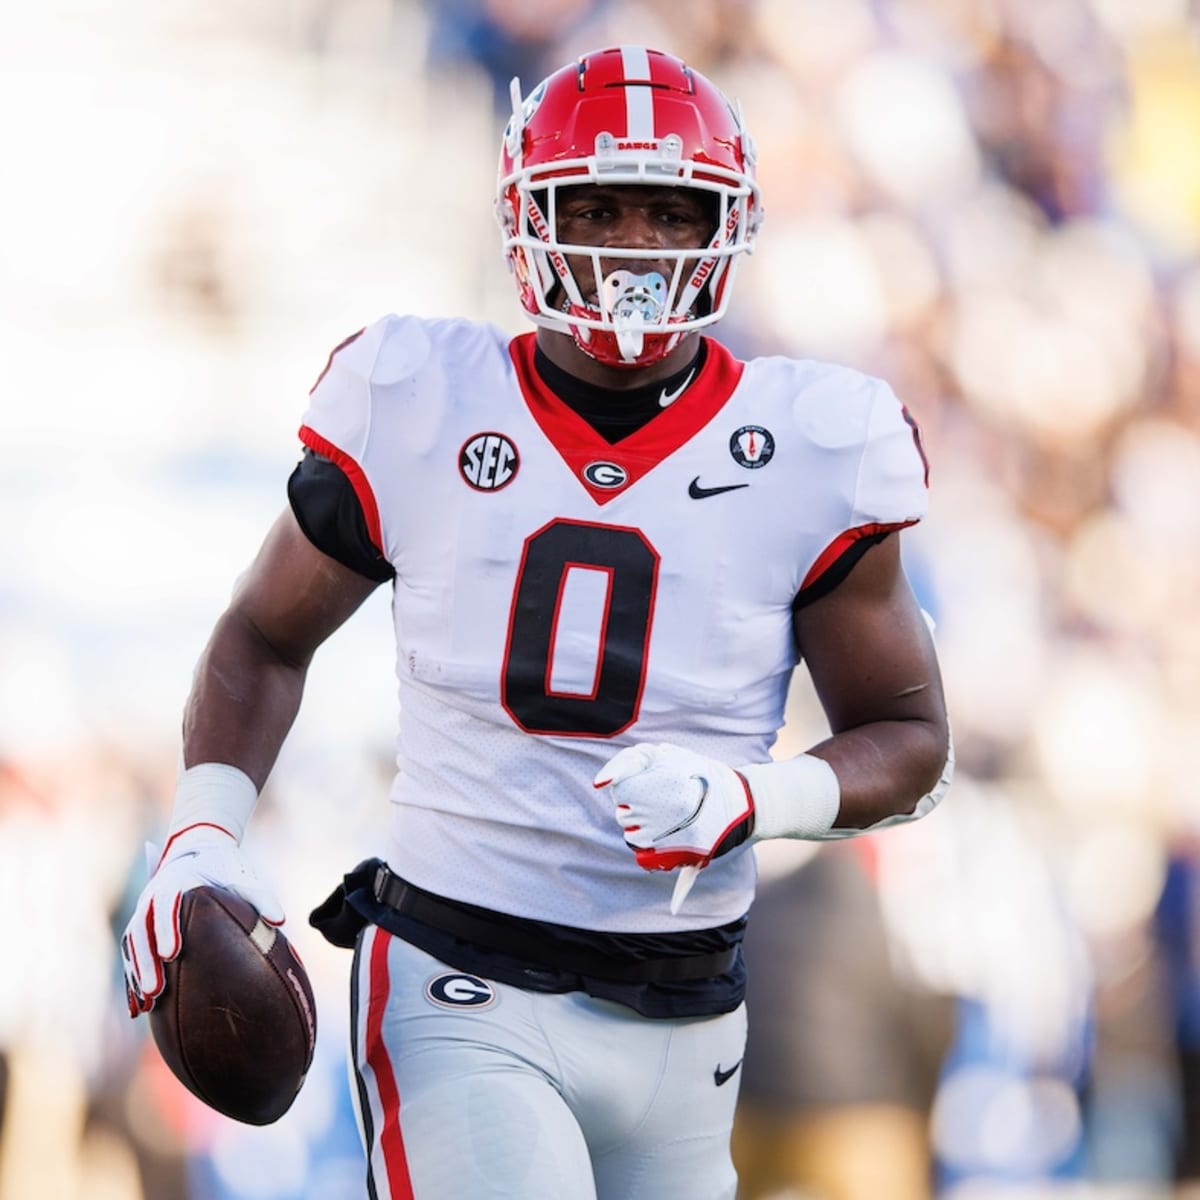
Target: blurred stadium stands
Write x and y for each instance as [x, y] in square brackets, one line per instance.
[995, 204]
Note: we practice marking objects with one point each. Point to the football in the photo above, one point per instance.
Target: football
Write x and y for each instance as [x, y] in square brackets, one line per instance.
[236, 1021]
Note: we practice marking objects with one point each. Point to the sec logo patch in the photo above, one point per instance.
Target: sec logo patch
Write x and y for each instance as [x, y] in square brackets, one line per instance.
[454, 989]
[488, 461]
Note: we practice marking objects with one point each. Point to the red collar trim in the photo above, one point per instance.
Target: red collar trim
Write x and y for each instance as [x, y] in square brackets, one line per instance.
[582, 448]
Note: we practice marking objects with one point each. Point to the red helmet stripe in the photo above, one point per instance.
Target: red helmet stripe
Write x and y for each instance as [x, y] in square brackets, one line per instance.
[639, 101]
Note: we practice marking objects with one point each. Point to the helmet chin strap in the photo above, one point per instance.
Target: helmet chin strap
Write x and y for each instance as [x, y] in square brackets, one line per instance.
[634, 301]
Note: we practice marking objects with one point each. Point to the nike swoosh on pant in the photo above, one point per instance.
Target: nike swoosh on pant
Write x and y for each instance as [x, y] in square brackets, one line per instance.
[720, 1077]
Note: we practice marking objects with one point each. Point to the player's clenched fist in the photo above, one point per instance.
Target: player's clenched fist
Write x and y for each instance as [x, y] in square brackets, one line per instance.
[677, 808]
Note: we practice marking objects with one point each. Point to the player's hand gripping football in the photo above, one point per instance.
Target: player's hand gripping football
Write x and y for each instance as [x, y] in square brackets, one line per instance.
[197, 855]
[678, 809]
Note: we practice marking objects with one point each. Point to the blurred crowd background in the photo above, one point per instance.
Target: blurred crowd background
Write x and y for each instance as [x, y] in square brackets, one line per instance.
[995, 204]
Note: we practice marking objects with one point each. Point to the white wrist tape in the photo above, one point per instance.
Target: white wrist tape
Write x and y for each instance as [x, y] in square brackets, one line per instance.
[796, 798]
[213, 794]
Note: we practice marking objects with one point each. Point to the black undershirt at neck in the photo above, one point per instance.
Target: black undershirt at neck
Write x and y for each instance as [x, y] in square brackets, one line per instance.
[616, 414]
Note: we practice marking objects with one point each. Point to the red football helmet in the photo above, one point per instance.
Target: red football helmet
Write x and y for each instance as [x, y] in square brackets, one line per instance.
[625, 115]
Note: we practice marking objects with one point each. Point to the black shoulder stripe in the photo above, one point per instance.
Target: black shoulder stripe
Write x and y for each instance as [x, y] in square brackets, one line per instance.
[328, 511]
[837, 570]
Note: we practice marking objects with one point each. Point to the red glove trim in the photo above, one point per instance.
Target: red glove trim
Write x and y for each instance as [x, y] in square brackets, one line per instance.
[187, 829]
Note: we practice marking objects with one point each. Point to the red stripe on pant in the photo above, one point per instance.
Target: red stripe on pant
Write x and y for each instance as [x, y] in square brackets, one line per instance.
[391, 1143]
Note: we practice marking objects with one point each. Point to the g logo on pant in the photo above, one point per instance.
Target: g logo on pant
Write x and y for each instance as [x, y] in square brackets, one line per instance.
[458, 990]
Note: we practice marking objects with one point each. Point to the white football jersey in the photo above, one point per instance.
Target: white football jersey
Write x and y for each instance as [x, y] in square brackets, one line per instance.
[558, 597]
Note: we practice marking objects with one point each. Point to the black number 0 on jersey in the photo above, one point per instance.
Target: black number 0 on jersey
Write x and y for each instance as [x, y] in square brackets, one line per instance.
[624, 636]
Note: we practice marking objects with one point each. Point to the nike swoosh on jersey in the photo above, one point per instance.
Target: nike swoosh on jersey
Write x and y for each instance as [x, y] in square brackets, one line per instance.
[698, 493]
[720, 1077]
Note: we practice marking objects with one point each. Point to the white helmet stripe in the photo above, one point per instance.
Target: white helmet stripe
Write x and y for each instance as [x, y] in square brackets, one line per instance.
[639, 101]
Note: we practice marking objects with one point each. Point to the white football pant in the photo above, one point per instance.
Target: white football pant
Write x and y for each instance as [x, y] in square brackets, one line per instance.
[468, 1089]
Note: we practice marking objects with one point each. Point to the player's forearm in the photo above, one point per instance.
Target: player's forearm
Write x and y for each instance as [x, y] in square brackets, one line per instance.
[884, 769]
[243, 701]
[868, 777]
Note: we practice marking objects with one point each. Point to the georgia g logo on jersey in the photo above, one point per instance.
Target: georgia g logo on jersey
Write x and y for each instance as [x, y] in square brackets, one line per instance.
[488, 461]
[606, 475]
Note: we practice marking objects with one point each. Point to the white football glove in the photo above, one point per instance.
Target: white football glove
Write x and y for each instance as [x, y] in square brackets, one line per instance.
[680, 810]
[198, 853]
[677, 808]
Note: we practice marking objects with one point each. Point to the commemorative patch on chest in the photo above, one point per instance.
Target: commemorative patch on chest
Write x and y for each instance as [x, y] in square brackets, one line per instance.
[752, 447]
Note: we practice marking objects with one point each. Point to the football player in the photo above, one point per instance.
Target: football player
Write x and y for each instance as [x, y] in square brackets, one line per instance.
[609, 544]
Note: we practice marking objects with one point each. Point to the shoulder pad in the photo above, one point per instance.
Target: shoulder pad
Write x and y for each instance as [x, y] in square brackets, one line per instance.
[392, 349]
[893, 478]
[833, 404]
[404, 347]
